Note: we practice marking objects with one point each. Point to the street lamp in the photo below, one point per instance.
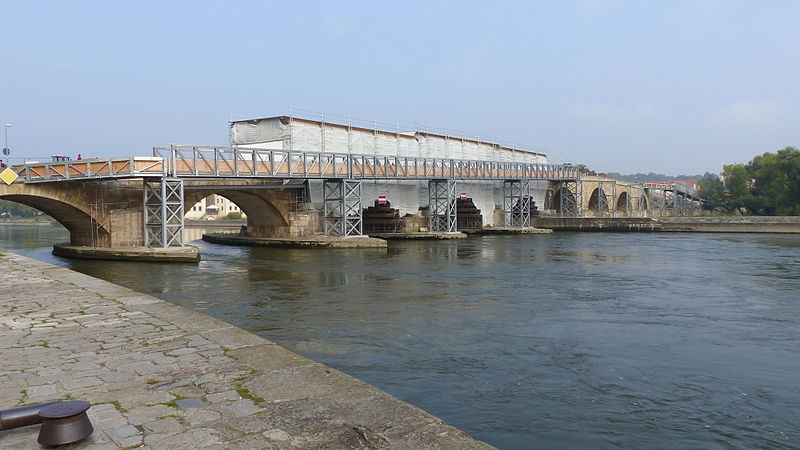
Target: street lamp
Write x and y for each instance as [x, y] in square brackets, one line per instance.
[6, 150]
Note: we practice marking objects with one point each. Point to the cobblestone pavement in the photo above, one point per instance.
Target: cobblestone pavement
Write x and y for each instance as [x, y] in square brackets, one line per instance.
[161, 376]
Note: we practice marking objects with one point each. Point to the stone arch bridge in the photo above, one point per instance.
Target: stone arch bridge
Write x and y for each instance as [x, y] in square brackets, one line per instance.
[140, 201]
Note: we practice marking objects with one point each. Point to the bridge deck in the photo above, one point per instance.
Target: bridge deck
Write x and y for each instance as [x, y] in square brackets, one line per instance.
[196, 161]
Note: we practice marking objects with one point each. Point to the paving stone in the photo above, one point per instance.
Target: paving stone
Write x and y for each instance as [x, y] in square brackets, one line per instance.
[48, 390]
[80, 383]
[123, 432]
[165, 425]
[241, 408]
[182, 351]
[193, 402]
[144, 414]
[197, 416]
[223, 396]
[277, 434]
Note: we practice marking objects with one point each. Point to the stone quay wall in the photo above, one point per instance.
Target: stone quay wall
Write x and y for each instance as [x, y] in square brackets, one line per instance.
[162, 376]
[790, 225]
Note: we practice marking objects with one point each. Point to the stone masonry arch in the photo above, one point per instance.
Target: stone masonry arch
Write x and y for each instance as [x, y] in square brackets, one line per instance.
[271, 211]
[622, 204]
[89, 210]
[84, 229]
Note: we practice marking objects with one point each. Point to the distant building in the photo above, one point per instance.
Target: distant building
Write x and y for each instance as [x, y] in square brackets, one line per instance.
[211, 208]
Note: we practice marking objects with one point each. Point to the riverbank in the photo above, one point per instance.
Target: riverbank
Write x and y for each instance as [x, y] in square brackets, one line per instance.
[738, 224]
[167, 377]
[27, 221]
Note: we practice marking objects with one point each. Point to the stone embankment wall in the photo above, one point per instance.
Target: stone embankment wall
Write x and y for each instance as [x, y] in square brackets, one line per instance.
[163, 376]
[749, 224]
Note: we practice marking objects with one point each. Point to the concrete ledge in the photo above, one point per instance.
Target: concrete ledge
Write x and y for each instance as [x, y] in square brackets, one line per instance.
[189, 253]
[420, 235]
[306, 242]
[509, 230]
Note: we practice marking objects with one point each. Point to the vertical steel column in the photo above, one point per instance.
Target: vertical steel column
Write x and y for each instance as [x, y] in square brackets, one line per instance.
[517, 203]
[442, 205]
[570, 198]
[342, 207]
[163, 212]
[604, 207]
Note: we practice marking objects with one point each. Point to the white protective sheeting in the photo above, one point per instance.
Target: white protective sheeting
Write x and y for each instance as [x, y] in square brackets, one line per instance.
[309, 135]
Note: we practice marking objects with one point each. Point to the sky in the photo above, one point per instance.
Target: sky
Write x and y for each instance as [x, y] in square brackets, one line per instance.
[677, 87]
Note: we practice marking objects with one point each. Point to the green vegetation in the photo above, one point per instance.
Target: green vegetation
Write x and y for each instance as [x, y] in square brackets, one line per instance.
[245, 393]
[768, 185]
[172, 403]
[14, 209]
[233, 215]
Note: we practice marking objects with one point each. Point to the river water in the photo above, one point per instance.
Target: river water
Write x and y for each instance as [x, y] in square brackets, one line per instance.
[568, 340]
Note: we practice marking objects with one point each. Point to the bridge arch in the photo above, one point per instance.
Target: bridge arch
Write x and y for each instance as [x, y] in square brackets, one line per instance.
[596, 203]
[561, 195]
[84, 228]
[266, 214]
[623, 202]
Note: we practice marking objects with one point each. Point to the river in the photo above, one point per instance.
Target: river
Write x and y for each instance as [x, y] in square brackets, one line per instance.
[567, 340]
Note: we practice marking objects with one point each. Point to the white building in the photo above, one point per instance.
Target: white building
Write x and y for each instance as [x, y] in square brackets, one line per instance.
[211, 208]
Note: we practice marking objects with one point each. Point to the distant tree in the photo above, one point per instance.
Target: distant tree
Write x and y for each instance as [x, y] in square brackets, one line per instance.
[233, 215]
[712, 190]
[582, 168]
[14, 209]
[768, 185]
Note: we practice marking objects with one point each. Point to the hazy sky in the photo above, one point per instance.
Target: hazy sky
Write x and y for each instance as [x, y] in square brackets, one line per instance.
[665, 86]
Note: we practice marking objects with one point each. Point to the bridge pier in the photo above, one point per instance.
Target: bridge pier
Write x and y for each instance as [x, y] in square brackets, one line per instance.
[343, 214]
[517, 203]
[442, 206]
[163, 212]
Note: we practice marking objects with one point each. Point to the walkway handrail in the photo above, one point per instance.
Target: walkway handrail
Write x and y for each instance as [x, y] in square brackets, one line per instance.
[94, 168]
[192, 160]
[208, 161]
[674, 186]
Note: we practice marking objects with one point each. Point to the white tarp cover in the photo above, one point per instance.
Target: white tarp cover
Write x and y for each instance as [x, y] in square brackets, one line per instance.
[305, 135]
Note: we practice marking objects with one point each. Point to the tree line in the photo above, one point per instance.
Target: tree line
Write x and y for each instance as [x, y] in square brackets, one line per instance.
[13, 209]
[768, 185]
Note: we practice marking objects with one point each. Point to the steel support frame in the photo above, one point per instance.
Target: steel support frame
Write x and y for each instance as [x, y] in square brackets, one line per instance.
[163, 212]
[635, 204]
[570, 205]
[517, 203]
[442, 206]
[343, 214]
[603, 205]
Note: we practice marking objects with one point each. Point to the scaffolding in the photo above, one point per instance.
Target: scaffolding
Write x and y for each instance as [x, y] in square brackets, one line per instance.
[517, 203]
[163, 212]
[442, 206]
[606, 204]
[343, 215]
[635, 206]
[569, 194]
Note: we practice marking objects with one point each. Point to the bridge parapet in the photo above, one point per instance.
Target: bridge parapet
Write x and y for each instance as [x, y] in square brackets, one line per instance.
[183, 161]
[202, 161]
[88, 169]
